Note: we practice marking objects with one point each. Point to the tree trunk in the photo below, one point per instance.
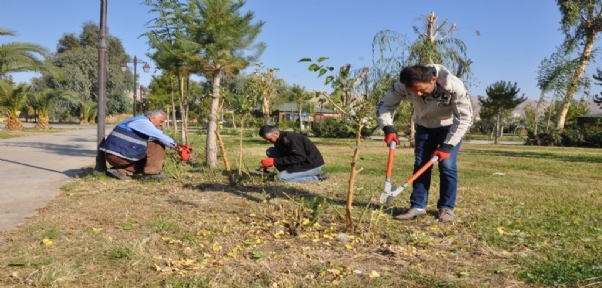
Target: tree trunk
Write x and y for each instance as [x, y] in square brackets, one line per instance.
[412, 132]
[583, 60]
[265, 109]
[167, 116]
[182, 110]
[536, 111]
[497, 128]
[173, 105]
[14, 124]
[233, 120]
[185, 122]
[550, 109]
[225, 157]
[352, 175]
[211, 156]
[300, 117]
[42, 122]
[242, 133]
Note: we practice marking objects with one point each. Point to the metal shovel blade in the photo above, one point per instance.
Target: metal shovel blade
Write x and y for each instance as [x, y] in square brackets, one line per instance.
[388, 196]
[387, 193]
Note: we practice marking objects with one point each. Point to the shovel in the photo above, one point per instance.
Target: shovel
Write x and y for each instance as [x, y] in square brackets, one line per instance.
[392, 190]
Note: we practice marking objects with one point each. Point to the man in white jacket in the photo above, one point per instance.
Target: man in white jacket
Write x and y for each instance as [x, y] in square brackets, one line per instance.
[443, 114]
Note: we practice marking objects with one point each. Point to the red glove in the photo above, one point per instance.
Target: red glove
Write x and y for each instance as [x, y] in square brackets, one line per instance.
[390, 135]
[184, 152]
[267, 162]
[443, 152]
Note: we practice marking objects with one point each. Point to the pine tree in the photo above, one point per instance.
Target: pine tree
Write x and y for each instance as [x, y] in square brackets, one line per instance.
[501, 97]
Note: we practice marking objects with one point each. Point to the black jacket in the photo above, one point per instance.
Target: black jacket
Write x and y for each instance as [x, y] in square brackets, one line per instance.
[297, 153]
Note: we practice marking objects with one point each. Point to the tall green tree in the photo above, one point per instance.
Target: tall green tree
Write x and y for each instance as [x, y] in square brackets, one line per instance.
[577, 108]
[77, 55]
[226, 39]
[501, 97]
[554, 76]
[581, 23]
[23, 57]
[12, 100]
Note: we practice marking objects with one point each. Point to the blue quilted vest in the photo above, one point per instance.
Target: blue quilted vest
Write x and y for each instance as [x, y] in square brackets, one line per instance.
[125, 142]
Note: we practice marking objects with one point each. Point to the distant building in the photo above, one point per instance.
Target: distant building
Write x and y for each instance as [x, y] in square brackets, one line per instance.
[589, 120]
[290, 112]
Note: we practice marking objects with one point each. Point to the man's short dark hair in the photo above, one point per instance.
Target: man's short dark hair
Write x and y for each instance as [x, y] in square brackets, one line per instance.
[267, 130]
[417, 73]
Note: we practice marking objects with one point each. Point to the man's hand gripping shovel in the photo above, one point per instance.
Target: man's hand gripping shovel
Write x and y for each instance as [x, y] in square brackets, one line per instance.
[391, 190]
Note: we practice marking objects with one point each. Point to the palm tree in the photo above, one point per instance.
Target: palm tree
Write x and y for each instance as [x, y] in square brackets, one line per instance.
[45, 100]
[88, 112]
[226, 39]
[21, 57]
[12, 100]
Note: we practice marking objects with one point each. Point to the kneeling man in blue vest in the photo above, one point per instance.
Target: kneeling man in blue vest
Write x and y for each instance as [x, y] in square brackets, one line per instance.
[136, 147]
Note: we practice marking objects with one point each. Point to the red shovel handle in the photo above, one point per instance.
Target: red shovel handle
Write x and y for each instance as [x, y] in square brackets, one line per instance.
[390, 159]
[422, 169]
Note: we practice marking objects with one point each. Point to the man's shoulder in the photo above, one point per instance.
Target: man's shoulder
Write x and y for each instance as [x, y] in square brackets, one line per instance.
[447, 80]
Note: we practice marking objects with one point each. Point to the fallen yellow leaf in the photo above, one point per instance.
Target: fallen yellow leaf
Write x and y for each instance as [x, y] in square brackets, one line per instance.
[46, 241]
[500, 230]
[279, 233]
[96, 230]
[373, 274]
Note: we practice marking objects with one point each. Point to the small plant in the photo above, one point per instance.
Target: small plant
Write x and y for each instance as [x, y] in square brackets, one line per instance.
[119, 253]
[49, 276]
[257, 254]
[196, 281]
[161, 224]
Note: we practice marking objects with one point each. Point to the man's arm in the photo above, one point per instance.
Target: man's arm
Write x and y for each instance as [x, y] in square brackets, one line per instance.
[145, 127]
[462, 110]
[388, 103]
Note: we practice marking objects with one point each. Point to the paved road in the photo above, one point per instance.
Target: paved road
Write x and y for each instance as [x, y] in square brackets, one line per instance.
[33, 168]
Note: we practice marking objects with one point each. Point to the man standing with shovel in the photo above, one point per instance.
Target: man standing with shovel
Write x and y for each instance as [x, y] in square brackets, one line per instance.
[443, 114]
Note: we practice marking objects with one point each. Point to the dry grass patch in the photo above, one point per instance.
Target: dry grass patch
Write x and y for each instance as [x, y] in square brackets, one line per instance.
[196, 231]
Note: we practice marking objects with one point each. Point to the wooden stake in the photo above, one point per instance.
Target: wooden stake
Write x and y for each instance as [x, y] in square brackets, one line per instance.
[226, 163]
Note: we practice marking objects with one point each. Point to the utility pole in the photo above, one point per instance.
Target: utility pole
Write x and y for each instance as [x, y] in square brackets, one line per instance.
[146, 68]
[101, 164]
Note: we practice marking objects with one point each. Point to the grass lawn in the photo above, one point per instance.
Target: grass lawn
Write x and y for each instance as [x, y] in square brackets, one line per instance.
[508, 137]
[527, 217]
[29, 132]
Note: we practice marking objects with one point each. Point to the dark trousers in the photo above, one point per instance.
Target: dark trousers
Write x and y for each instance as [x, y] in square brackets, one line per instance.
[427, 140]
[152, 163]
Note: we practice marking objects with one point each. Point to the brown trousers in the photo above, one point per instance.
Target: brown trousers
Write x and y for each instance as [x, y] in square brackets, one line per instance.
[152, 163]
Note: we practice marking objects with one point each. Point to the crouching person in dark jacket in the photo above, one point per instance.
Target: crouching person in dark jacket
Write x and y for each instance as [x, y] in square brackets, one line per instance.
[294, 156]
[137, 147]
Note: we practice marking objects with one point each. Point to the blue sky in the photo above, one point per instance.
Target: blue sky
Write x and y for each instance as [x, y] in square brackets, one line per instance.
[514, 36]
